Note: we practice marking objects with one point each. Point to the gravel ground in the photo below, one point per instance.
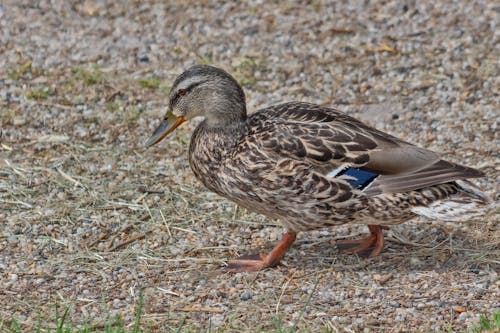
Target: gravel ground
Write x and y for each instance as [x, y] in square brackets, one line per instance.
[89, 217]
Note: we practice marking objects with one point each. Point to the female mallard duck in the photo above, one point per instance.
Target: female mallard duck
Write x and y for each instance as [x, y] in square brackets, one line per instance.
[310, 166]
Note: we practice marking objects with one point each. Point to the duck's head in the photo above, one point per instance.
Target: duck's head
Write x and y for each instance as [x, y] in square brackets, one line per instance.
[204, 91]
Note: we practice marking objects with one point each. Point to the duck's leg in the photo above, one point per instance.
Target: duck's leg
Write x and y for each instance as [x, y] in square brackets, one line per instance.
[257, 262]
[375, 242]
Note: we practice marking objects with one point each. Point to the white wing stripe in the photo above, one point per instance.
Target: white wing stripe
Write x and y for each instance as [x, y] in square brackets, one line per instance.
[335, 172]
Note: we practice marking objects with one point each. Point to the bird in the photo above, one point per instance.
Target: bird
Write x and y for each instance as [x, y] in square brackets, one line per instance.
[311, 166]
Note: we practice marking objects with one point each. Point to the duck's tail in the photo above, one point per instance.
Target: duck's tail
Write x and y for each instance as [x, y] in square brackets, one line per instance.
[468, 203]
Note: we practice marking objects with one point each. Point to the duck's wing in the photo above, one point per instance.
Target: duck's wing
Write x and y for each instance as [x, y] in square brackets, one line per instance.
[337, 145]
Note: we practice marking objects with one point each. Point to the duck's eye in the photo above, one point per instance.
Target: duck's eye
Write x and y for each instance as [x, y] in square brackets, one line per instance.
[182, 92]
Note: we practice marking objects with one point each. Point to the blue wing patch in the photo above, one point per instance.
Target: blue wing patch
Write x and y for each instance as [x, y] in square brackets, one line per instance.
[358, 178]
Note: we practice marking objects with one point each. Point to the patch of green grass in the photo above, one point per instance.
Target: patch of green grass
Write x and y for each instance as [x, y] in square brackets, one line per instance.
[165, 90]
[131, 113]
[62, 324]
[305, 306]
[245, 71]
[7, 116]
[89, 77]
[296, 327]
[23, 69]
[316, 5]
[150, 83]
[205, 59]
[177, 50]
[488, 325]
[39, 94]
[112, 106]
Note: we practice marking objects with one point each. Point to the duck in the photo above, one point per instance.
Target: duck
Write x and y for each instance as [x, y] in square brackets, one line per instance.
[311, 166]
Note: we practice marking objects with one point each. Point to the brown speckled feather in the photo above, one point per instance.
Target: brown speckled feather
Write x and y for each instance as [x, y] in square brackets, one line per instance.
[328, 138]
[278, 164]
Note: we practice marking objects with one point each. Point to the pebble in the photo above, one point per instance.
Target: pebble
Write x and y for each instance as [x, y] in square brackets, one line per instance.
[394, 304]
[143, 58]
[246, 295]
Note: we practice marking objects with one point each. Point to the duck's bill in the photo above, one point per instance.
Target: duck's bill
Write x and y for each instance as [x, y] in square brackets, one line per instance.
[167, 126]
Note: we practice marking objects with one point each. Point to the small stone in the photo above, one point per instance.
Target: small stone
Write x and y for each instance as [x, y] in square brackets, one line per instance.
[246, 295]
[400, 318]
[19, 121]
[143, 58]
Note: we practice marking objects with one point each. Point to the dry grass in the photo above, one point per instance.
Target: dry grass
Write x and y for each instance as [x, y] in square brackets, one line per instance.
[90, 218]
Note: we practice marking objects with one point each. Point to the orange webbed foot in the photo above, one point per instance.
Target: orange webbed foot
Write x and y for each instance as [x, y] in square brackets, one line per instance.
[369, 246]
[247, 263]
[257, 262]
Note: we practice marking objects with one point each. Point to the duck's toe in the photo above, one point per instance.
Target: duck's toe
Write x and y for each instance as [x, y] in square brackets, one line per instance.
[366, 247]
[248, 263]
[257, 262]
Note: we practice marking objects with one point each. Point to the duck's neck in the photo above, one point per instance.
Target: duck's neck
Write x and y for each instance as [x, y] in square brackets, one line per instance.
[209, 149]
[225, 122]
[218, 139]
[225, 109]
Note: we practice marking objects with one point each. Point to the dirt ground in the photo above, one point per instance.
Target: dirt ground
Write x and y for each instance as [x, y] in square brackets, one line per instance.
[90, 219]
